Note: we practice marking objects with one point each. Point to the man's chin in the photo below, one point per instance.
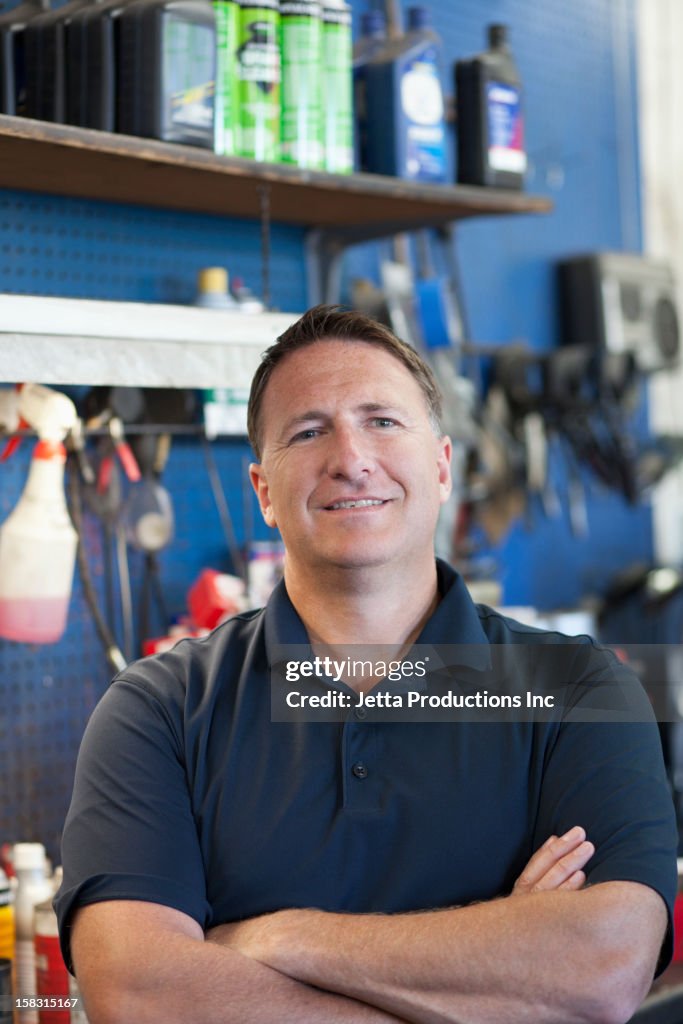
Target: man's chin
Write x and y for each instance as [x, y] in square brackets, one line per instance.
[370, 557]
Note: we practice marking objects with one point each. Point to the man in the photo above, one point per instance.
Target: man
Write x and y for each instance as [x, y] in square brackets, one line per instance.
[224, 867]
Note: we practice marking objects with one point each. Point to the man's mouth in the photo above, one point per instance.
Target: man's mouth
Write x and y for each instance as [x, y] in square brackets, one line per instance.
[354, 503]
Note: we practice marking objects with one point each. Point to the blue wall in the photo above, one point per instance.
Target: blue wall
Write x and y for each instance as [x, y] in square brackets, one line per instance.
[584, 155]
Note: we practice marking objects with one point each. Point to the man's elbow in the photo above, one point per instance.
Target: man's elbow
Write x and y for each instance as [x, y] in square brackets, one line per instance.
[105, 1005]
[617, 989]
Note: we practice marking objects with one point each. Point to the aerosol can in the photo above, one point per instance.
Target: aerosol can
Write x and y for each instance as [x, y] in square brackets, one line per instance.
[37, 540]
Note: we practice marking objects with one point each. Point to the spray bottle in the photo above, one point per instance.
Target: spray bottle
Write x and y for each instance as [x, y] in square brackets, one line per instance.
[37, 540]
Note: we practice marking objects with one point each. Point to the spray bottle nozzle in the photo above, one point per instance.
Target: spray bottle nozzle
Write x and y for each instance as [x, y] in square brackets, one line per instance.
[50, 413]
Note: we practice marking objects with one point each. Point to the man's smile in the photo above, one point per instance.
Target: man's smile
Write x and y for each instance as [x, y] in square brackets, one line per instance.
[347, 504]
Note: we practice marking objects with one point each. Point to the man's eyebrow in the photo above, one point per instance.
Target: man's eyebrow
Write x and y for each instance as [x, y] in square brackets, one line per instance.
[304, 417]
[381, 407]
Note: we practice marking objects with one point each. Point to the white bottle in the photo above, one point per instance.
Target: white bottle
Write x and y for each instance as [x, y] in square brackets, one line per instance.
[37, 553]
[33, 887]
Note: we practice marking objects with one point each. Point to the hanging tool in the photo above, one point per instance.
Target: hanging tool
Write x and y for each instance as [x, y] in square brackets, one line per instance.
[149, 524]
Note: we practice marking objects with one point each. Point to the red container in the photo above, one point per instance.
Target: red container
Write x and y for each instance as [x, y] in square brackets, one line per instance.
[52, 977]
[213, 596]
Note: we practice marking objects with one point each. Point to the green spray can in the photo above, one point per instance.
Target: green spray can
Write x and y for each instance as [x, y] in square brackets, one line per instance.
[337, 87]
[258, 70]
[300, 35]
[227, 100]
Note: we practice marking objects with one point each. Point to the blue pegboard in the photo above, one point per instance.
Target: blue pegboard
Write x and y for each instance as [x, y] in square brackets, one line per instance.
[580, 156]
[87, 249]
[577, 63]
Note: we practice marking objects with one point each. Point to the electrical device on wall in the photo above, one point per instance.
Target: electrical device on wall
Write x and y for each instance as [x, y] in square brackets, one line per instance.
[619, 303]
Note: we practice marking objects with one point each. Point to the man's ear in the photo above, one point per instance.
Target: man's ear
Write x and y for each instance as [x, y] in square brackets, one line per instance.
[260, 484]
[444, 466]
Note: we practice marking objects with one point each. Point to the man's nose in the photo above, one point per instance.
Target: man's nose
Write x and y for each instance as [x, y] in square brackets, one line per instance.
[349, 455]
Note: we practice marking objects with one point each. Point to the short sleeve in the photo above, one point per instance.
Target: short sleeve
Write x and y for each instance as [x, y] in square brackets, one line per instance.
[609, 777]
[130, 833]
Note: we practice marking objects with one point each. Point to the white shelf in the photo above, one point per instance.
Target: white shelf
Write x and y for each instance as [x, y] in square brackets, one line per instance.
[81, 341]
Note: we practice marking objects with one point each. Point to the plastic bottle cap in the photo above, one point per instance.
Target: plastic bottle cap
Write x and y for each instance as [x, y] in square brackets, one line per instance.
[28, 856]
[418, 17]
[372, 23]
[498, 35]
[213, 280]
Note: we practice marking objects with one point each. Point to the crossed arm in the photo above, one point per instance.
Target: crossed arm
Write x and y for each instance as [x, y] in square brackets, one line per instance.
[550, 951]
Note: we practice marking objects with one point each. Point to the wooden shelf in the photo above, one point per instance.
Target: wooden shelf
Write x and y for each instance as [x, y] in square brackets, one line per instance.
[62, 160]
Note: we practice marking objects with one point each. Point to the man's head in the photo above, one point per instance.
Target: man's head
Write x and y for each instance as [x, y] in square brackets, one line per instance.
[333, 323]
[353, 465]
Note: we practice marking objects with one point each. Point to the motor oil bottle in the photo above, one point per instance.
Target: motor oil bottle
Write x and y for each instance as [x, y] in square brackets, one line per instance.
[92, 49]
[167, 71]
[373, 37]
[337, 87]
[12, 55]
[227, 14]
[258, 72]
[406, 126]
[489, 112]
[300, 49]
[77, 80]
[46, 66]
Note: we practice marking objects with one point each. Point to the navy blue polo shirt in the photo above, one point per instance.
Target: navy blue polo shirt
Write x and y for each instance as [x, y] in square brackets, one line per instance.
[187, 794]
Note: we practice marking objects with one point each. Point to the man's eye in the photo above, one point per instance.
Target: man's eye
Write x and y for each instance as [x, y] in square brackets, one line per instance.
[304, 435]
[384, 421]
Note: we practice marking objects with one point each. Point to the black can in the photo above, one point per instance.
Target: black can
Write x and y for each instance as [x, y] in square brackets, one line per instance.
[46, 66]
[13, 55]
[92, 46]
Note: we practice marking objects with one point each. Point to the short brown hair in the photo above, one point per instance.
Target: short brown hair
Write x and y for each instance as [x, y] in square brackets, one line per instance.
[335, 323]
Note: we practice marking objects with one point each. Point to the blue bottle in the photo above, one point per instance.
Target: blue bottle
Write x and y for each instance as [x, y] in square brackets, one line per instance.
[406, 128]
[372, 39]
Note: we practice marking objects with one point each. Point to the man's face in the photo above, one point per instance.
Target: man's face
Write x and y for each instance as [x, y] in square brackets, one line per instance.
[352, 472]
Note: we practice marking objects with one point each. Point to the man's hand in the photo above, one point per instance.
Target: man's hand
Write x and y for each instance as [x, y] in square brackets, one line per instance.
[552, 950]
[557, 864]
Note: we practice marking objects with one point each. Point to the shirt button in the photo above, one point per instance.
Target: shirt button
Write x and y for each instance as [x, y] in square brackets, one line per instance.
[360, 714]
[359, 770]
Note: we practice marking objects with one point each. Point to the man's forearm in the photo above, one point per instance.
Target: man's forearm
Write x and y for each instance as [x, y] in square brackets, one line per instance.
[142, 970]
[555, 957]
[548, 952]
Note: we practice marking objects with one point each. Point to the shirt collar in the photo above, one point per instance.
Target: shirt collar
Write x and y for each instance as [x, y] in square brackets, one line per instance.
[454, 626]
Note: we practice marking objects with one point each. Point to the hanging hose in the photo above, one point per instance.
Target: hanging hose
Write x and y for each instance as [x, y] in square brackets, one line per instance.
[113, 653]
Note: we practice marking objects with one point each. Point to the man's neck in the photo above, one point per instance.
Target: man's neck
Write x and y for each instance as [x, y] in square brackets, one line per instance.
[368, 606]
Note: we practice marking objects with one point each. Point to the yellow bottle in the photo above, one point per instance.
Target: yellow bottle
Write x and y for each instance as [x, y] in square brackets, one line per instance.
[7, 942]
[6, 918]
